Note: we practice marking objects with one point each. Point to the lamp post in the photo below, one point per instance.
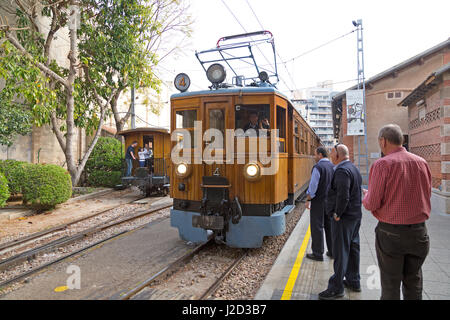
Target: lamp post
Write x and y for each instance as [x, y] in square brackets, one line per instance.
[362, 86]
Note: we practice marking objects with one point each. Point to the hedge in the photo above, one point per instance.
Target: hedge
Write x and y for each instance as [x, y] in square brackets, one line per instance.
[106, 156]
[104, 166]
[14, 172]
[105, 178]
[4, 191]
[46, 185]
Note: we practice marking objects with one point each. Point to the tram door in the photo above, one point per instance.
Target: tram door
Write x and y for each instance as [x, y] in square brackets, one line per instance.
[216, 118]
[148, 140]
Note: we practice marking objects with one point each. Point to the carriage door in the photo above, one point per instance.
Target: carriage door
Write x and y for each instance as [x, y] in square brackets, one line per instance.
[214, 139]
[149, 140]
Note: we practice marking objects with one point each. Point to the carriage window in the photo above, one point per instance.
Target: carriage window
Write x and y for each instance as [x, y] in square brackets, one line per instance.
[296, 136]
[185, 119]
[281, 121]
[217, 119]
[255, 117]
[281, 126]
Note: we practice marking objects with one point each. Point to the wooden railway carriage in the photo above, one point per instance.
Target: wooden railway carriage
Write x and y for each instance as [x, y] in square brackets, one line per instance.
[264, 202]
[154, 177]
[227, 190]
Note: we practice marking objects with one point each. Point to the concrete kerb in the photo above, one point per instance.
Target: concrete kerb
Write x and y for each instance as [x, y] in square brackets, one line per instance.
[284, 263]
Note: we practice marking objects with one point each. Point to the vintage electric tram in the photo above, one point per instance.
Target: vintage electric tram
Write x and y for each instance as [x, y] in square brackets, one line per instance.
[153, 178]
[228, 192]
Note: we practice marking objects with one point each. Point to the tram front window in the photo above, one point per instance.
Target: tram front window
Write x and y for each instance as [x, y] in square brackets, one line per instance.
[252, 118]
[184, 119]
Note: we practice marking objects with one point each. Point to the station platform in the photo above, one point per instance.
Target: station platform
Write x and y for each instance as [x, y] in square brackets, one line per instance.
[295, 277]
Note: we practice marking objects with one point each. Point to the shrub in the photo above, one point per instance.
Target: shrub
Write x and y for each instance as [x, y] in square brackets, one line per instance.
[46, 185]
[14, 172]
[105, 178]
[4, 192]
[104, 167]
[106, 156]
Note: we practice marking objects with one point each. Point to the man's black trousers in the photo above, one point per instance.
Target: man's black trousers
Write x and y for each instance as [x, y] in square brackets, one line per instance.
[320, 221]
[346, 253]
[401, 252]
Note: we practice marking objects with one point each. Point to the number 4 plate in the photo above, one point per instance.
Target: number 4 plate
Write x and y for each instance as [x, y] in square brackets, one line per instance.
[208, 222]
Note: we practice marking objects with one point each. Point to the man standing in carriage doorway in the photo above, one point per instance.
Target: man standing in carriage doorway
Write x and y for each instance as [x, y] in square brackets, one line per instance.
[129, 157]
[317, 194]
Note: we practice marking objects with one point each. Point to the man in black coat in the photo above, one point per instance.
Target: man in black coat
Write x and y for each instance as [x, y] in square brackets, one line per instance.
[344, 205]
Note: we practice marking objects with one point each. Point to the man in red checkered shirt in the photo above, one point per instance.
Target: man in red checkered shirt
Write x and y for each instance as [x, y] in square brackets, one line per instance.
[399, 197]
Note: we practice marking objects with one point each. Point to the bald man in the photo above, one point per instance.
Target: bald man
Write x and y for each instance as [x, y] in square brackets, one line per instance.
[344, 206]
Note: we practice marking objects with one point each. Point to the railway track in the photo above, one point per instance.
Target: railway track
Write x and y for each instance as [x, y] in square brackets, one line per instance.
[65, 241]
[171, 269]
[167, 272]
[17, 242]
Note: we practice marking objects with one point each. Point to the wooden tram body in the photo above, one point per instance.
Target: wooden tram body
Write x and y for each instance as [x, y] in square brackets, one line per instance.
[154, 178]
[227, 189]
[263, 203]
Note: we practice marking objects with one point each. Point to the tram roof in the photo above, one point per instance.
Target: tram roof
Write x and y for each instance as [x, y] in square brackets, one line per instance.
[144, 129]
[236, 90]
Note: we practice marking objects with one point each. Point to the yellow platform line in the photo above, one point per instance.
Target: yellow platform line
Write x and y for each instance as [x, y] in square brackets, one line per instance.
[287, 293]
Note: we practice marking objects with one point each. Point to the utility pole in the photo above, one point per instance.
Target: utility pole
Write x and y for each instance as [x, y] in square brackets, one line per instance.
[133, 112]
[362, 149]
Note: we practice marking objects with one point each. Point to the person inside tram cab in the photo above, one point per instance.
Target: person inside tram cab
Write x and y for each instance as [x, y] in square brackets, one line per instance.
[265, 123]
[252, 124]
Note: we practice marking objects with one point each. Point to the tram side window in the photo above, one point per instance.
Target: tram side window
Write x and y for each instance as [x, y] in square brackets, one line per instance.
[184, 119]
[254, 117]
[296, 137]
[303, 141]
[281, 126]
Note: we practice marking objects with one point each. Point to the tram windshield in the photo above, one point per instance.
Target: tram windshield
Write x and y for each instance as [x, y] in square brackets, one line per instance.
[184, 119]
[254, 117]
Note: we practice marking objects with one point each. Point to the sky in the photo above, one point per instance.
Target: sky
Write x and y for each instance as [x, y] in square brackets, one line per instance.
[394, 31]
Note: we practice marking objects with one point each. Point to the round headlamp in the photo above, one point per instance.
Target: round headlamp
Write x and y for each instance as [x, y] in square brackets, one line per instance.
[216, 73]
[183, 170]
[263, 76]
[252, 171]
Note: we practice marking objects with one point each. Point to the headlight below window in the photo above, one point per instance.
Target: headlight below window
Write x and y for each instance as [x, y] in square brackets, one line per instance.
[183, 170]
[252, 171]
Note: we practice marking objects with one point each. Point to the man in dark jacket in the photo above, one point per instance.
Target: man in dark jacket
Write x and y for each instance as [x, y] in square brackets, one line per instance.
[317, 193]
[344, 205]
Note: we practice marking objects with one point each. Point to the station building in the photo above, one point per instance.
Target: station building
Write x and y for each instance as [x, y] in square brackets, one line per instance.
[385, 93]
[428, 108]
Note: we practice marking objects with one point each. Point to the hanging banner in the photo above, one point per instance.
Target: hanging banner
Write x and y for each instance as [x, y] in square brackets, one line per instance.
[355, 113]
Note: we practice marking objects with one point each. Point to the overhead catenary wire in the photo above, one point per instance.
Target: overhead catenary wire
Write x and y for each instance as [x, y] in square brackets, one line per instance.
[284, 63]
[262, 27]
[245, 30]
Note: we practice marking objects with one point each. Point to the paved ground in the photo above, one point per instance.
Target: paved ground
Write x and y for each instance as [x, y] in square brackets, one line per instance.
[110, 269]
[312, 277]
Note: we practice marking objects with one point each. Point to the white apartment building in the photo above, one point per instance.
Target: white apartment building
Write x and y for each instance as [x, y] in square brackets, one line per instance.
[314, 104]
